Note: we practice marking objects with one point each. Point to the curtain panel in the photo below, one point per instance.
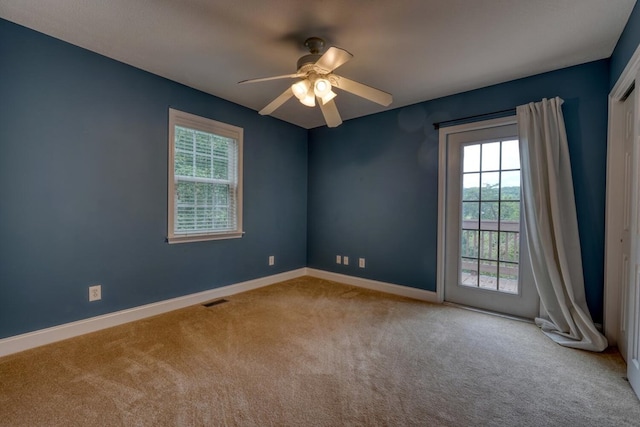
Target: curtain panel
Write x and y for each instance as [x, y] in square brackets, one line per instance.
[551, 225]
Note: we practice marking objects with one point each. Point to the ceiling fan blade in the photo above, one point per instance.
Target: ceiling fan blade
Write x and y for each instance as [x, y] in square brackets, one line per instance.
[276, 103]
[362, 90]
[332, 59]
[264, 79]
[330, 113]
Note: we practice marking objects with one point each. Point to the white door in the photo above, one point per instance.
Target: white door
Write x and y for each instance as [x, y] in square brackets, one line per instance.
[625, 218]
[486, 264]
[633, 286]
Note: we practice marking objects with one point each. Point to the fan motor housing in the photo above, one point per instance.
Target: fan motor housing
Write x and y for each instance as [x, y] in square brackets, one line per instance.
[310, 59]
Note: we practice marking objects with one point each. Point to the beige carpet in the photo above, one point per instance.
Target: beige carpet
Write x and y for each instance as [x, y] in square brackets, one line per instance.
[308, 352]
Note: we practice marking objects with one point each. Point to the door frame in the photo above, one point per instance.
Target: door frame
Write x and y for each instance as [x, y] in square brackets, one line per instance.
[442, 190]
[614, 286]
[615, 195]
[442, 199]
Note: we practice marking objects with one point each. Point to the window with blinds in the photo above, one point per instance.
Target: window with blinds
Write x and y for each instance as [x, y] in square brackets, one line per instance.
[205, 179]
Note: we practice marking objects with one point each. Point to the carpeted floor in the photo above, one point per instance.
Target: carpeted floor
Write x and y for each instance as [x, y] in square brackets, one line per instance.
[309, 352]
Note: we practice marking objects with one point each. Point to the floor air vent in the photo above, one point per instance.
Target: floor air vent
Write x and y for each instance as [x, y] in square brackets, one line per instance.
[216, 302]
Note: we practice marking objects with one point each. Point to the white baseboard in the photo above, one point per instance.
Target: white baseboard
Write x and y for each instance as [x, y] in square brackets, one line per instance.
[390, 288]
[41, 337]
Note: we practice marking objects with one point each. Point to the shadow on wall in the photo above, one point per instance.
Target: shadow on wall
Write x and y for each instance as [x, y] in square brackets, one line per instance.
[416, 118]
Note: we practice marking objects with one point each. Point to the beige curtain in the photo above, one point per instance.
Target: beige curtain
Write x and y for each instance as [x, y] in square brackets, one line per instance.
[552, 228]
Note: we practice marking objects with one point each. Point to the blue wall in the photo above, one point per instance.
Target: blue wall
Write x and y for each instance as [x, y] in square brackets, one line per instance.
[83, 199]
[83, 166]
[373, 181]
[626, 46]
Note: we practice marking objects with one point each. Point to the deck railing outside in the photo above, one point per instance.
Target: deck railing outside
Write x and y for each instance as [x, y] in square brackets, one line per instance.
[496, 248]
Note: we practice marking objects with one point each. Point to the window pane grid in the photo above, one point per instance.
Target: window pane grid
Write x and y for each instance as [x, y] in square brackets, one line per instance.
[490, 219]
[205, 182]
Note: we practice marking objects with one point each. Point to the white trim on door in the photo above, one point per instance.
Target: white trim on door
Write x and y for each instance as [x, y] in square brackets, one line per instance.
[442, 190]
[452, 140]
[629, 335]
[615, 198]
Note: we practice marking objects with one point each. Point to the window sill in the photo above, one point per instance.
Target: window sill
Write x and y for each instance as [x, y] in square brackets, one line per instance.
[203, 237]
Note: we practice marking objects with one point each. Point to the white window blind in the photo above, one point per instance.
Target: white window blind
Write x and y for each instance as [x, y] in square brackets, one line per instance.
[205, 179]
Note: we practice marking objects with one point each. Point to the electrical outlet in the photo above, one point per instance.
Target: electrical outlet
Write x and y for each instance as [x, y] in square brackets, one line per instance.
[345, 260]
[361, 263]
[338, 259]
[95, 292]
[272, 259]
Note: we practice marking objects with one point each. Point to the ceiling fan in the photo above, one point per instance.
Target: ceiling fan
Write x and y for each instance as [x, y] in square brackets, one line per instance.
[316, 80]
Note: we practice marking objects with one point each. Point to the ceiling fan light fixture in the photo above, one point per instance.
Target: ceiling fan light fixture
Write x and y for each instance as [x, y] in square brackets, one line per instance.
[309, 100]
[321, 87]
[301, 89]
[315, 71]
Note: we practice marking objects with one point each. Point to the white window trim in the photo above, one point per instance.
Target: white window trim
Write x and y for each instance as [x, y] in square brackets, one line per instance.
[442, 188]
[180, 118]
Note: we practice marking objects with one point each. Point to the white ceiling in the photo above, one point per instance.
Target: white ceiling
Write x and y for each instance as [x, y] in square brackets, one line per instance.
[415, 49]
